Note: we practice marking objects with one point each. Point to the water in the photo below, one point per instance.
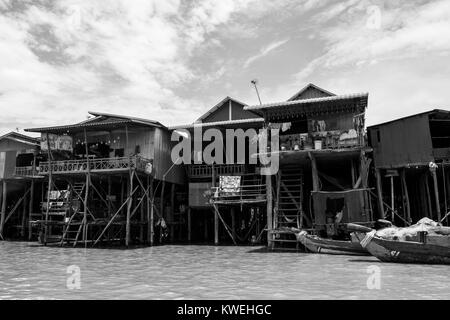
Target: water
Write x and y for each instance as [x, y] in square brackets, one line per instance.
[28, 271]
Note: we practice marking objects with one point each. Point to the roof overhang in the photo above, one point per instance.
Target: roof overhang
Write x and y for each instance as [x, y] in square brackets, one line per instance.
[297, 108]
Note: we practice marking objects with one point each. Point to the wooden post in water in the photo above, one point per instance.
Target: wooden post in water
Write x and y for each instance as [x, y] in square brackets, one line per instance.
[436, 192]
[314, 172]
[189, 224]
[270, 243]
[233, 222]
[427, 189]
[3, 217]
[86, 194]
[405, 190]
[379, 194]
[30, 207]
[130, 203]
[50, 186]
[172, 213]
[150, 212]
[24, 214]
[216, 216]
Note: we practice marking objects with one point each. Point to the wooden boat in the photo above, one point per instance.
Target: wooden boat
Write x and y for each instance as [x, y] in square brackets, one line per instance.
[317, 244]
[405, 251]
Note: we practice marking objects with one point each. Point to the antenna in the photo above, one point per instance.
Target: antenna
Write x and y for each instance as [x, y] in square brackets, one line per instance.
[254, 82]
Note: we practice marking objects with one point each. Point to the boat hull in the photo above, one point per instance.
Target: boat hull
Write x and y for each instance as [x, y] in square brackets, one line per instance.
[316, 244]
[404, 251]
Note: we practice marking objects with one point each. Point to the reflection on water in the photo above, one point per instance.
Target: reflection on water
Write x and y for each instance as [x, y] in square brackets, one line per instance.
[206, 272]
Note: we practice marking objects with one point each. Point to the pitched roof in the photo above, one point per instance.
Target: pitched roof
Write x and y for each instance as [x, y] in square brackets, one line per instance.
[217, 106]
[308, 101]
[433, 111]
[308, 87]
[20, 138]
[100, 120]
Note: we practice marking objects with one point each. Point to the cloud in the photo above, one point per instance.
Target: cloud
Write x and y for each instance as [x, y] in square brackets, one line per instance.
[265, 51]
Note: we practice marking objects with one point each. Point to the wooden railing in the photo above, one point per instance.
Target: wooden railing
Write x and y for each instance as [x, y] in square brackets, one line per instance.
[28, 171]
[95, 165]
[244, 194]
[203, 170]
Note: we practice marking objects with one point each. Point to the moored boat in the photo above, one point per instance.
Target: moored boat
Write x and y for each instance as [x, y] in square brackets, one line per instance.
[404, 251]
[317, 244]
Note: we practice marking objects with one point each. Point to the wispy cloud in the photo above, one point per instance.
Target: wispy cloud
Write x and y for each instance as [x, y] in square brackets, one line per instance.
[265, 51]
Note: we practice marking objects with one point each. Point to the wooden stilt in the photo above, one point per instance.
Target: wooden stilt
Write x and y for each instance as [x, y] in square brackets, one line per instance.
[427, 189]
[314, 172]
[150, 208]
[161, 208]
[50, 186]
[30, 209]
[216, 216]
[392, 198]
[24, 215]
[172, 213]
[405, 190]
[352, 169]
[4, 200]
[379, 194]
[233, 222]
[141, 226]
[269, 211]
[130, 202]
[436, 194]
[189, 231]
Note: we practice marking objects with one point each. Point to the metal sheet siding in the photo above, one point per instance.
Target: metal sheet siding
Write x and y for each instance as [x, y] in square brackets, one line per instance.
[402, 143]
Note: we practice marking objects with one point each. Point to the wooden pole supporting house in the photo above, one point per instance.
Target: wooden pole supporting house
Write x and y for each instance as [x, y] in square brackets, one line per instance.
[233, 222]
[392, 198]
[352, 169]
[130, 203]
[24, 214]
[142, 221]
[444, 184]
[172, 212]
[379, 193]
[86, 194]
[436, 193]
[270, 239]
[189, 231]
[150, 212]
[216, 215]
[30, 208]
[314, 172]
[405, 190]
[50, 186]
[4, 200]
[427, 189]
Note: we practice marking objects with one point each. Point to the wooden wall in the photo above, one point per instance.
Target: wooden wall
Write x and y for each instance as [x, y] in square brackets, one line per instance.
[401, 143]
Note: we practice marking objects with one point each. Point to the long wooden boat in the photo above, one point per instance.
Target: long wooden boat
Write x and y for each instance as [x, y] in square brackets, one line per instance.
[317, 244]
[405, 251]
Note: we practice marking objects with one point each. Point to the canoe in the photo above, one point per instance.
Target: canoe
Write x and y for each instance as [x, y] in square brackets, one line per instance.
[404, 251]
[317, 244]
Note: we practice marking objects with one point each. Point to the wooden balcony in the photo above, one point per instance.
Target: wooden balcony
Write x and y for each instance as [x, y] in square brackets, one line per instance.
[255, 193]
[205, 171]
[121, 164]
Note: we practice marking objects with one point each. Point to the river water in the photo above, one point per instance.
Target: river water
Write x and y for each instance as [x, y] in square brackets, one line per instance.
[29, 271]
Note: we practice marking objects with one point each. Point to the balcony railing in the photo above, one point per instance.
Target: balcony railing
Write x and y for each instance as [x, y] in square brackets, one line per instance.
[243, 194]
[203, 170]
[27, 171]
[94, 165]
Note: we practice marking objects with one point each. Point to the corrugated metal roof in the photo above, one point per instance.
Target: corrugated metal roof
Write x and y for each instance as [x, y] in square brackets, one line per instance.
[217, 106]
[20, 138]
[410, 116]
[100, 120]
[217, 123]
[307, 101]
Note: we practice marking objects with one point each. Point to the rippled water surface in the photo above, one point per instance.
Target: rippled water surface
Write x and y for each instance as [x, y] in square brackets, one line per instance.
[206, 272]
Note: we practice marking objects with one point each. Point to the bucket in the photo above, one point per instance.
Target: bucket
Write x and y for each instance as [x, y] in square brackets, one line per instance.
[318, 144]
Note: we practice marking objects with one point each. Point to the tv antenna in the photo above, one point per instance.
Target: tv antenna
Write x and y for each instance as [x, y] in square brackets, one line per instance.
[254, 82]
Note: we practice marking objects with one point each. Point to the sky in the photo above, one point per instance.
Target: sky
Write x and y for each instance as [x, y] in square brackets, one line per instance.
[171, 60]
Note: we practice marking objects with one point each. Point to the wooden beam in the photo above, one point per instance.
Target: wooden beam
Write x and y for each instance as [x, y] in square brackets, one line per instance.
[379, 194]
[392, 198]
[314, 172]
[269, 211]
[233, 222]
[189, 219]
[405, 190]
[172, 208]
[50, 184]
[24, 214]
[436, 194]
[4, 199]
[427, 189]
[30, 208]
[216, 213]
[130, 203]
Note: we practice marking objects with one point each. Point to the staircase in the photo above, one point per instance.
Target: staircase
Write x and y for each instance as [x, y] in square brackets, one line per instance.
[74, 223]
[288, 206]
